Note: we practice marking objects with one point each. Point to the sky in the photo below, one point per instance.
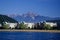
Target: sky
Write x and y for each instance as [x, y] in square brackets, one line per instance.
[49, 8]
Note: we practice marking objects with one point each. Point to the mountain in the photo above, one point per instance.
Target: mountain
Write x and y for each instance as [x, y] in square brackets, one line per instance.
[4, 18]
[31, 17]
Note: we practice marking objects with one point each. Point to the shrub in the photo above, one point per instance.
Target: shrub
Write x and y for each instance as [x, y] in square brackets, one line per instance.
[5, 26]
[47, 27]
[22, 26]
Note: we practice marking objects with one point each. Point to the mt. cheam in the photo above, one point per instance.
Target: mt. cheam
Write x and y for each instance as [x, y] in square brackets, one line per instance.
[31, 17]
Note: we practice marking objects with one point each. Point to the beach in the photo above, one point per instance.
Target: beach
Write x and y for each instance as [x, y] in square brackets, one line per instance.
[15, 30]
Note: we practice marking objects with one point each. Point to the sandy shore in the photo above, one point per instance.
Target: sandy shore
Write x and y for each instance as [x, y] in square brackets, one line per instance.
[14, 30]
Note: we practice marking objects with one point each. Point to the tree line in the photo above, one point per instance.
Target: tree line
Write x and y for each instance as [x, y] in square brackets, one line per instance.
[40, 26]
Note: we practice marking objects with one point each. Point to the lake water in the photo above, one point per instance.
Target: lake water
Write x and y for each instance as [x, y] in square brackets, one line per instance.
[29, 36]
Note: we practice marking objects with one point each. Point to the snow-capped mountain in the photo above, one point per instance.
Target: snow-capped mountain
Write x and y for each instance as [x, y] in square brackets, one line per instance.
[30, 17]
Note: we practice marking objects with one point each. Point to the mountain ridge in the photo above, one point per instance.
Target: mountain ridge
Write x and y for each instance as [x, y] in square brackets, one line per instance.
[31, 17]
[4, 18]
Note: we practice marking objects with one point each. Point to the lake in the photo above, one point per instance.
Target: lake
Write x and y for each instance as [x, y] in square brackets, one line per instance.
[29, 36]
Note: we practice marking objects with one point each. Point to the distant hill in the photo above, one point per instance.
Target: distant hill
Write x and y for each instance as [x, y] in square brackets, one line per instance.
[4, 18]
[55, 20]
[31, 17]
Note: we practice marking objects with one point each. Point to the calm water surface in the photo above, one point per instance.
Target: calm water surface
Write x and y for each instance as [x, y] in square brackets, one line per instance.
[29, 36]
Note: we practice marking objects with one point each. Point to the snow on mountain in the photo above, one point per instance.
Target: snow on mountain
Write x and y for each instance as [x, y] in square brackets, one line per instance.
[30, 17]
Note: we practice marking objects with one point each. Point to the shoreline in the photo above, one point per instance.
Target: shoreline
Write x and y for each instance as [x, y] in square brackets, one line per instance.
[14, 30]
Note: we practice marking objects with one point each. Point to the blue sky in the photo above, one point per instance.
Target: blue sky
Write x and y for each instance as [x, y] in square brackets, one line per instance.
[49, 8]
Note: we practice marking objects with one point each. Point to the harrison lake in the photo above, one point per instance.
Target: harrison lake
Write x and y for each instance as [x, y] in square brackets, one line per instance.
[29, 36]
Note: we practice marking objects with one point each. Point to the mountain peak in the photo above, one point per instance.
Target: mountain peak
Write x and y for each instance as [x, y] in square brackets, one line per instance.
[31, 14]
